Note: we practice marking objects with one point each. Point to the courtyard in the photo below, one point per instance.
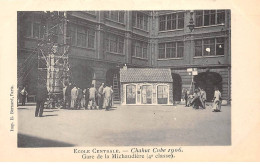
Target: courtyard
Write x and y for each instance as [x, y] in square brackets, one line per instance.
[125, 126]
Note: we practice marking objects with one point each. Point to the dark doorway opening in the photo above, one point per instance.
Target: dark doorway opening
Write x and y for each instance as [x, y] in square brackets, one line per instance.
[81, 75]
[176, 87]
[207, 81]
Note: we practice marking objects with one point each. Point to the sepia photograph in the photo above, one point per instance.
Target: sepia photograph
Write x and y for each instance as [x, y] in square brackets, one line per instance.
[124, 78]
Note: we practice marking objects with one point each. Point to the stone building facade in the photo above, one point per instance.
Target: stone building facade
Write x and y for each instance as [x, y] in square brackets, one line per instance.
[101, 42]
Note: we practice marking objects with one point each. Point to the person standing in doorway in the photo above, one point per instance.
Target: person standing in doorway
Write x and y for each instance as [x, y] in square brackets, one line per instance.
[23, 95]
[74, 96]
[107, 97]
[92, 96]
[100, 96]
[41, 97]
[217, 100]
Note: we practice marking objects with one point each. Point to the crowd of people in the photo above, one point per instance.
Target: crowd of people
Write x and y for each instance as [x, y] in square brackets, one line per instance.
[89, 98]
[198, 99]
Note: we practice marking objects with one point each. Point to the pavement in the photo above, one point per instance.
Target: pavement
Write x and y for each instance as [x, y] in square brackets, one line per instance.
[160, 125]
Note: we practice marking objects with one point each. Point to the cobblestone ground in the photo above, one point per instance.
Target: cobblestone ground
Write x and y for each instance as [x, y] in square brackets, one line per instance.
[124, 126]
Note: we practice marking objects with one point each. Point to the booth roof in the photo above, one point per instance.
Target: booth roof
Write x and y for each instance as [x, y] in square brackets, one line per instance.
[145, 75]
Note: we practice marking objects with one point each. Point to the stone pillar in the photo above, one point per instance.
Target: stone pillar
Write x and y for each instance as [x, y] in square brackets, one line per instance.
[100, 37]
[128, 37]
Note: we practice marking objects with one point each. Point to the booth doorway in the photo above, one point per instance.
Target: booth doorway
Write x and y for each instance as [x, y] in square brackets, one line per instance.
[146, 94]
[130, 94]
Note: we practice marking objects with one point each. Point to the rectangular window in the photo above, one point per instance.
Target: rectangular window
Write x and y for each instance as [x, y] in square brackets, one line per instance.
[180, 49]
[174, 21]
[146, 23]
[212, 17]
[219, 46]
[120, 45]
[162, 22]
[206, 17]
[198, 47]
[139, 49]
[145, 51]
[107, 43]
[180, 20]
[118, 16]
[161, 51]
[140, 20]
[91, 38]
[171, 50]
[209, 17]
[209, 47]
[171, 21]
[114, 43]
[121, 16]
[220, 16]
[134, 19]
[198, 18]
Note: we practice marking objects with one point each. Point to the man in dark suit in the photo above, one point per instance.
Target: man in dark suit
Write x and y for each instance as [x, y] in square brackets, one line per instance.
[41, 97]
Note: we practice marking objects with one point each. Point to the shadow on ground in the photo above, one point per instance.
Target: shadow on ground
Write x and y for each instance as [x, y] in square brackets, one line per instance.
[26, 141]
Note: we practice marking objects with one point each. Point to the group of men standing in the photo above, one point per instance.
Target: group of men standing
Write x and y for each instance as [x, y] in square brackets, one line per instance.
[76, 98]
[199, 97]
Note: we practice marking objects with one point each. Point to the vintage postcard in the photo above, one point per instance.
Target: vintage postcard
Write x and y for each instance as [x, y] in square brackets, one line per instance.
[133, 81]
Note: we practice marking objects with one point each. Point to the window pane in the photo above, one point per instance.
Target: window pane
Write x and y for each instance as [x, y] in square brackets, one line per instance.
[198, 47]
[180, 20]
[121, 16]
[145, 52]
[220, 46]
[212, 17]
[120, 45]
[220, 16]
[199, 18]
[91, 38]
[198, 50]
[134, 19]
[145, 23]
[206, 18]
[180, 49]
[161, 51]
[162, 20]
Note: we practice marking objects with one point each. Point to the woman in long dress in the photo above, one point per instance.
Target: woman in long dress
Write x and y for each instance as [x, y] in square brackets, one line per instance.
[216, 105]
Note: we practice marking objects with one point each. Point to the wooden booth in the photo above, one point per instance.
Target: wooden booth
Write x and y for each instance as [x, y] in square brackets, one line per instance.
[146, 86]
